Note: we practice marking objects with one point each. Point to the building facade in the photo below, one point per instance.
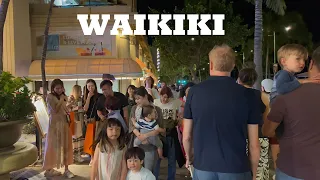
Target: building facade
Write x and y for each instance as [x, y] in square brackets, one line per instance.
[71, 56]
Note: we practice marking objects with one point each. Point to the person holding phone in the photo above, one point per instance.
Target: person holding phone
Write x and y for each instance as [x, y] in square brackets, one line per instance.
[58, 148]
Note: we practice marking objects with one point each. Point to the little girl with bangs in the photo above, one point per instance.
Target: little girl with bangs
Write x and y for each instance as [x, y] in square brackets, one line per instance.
[109, 162]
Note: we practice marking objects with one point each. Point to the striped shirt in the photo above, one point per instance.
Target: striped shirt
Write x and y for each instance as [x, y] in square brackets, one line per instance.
[143, 124]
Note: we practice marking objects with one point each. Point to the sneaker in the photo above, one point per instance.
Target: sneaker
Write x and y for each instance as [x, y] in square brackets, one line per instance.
[78, 159]
[68, 174]
[52, 172]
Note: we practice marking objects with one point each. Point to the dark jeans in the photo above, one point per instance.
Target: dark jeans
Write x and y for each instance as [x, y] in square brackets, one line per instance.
[171, 155]
[207, 175]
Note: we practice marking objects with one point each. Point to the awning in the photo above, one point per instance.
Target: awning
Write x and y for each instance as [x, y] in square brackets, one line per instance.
[147, 71]
[85, 68]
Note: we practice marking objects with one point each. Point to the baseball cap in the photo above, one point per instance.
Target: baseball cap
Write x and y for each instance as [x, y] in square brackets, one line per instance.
[267, 84]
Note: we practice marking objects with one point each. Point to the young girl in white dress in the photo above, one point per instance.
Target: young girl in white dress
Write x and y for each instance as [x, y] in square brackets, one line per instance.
[109, 162]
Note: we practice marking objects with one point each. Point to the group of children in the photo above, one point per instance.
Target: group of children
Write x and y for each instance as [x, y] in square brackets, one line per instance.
[112, 159]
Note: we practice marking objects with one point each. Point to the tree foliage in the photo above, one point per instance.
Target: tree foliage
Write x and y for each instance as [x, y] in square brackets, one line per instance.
[190, 53]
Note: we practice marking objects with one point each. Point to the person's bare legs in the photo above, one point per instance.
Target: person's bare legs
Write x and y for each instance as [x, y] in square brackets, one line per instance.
[67, 172]
[160, 153]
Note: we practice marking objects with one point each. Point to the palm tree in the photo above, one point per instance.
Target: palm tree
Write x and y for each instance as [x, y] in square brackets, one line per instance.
[44, 51]
[278, 6]
[3, 15]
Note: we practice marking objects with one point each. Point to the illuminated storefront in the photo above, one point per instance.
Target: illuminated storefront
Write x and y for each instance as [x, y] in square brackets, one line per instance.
[71, 56]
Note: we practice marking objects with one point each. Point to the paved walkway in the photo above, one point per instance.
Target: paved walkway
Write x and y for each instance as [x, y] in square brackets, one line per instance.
[82, 171]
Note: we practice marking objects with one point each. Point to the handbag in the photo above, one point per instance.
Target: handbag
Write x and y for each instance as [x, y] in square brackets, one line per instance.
[90, 119]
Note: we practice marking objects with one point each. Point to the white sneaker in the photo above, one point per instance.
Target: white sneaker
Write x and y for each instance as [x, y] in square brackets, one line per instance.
[68, 174]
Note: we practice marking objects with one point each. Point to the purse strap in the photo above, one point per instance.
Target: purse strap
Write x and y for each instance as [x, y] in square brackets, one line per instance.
[93, 108]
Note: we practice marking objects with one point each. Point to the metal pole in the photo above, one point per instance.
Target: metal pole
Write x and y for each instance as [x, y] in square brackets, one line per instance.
[243, 58]
[267, 60]
[274, 47]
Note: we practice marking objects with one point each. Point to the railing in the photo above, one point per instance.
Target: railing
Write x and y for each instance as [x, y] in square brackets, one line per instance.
[75, 3]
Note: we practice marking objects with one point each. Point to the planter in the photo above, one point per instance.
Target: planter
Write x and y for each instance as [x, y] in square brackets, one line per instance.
[10, 132]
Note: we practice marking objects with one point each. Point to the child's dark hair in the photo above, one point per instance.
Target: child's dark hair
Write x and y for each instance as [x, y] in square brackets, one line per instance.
[102, 138]
[146, 110]
[135, 152]
[112, 103]
[248, 76]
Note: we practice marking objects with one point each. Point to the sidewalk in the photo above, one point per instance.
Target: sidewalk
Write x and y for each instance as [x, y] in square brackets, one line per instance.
[82, 171]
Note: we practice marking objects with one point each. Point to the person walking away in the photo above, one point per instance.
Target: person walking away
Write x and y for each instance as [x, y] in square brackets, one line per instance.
[219, 115]
[247, 77]
[300, 143]
[291, 58]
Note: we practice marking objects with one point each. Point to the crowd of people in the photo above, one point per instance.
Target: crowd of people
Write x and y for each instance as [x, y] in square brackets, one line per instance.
[220, 129]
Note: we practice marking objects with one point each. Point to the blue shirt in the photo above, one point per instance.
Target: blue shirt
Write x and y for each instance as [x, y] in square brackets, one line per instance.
[220, 110]
[284, 82]
[117, 115]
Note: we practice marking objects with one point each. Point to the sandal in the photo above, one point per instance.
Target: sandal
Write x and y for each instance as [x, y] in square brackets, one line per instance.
[52, 172]
[68, 174]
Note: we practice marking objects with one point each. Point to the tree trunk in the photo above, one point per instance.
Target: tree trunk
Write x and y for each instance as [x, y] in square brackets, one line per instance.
[44, 51]
[3, 15]
[258, 42]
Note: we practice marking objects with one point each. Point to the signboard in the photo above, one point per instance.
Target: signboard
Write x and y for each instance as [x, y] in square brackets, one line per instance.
[41, 115]
[73, 44]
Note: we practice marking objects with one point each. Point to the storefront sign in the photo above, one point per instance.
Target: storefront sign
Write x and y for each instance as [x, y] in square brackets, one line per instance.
[67, 44]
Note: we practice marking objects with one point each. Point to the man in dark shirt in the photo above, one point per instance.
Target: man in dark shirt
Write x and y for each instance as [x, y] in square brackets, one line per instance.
[106, 87]
[218, 116]
[300, 143]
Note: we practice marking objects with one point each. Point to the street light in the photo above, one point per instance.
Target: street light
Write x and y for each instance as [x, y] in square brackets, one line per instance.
[192, 39]
[287, 28]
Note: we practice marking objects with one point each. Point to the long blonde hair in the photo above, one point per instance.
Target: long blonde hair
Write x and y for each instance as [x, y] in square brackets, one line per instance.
[76, 92]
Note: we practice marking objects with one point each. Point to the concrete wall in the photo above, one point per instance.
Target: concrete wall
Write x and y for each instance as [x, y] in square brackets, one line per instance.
[17, 40]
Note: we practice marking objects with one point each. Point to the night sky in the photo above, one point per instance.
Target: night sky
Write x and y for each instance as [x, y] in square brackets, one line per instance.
[307, 8]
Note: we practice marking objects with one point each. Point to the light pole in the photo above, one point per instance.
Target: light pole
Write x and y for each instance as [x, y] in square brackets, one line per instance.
[287, 28]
